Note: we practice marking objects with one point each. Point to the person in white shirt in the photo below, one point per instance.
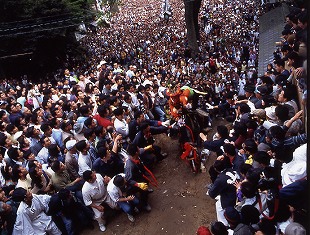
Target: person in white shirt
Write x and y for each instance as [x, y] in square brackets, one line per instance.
[127, 204]
[84, 159]
[43, 155]
[134, 99]
[31, 214]
[82, 82]
[130, 73]
[94, 194]
[120, 124]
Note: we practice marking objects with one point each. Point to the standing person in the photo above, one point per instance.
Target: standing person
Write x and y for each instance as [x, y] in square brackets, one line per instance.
[95, 194]
[147, 101]
[71, 161]
[242, 82]
[224, 188]
[31, 217]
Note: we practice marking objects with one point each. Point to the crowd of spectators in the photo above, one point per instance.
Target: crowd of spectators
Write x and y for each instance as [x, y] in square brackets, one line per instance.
[63, 162]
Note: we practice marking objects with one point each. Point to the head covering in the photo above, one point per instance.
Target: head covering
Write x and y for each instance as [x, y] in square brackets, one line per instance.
[70, 144]
[78, 127]
[102, 62]
[263, 147]
[260, 113]
[296, 171]
[295, 229]
[271, 113]
[300, 153]
[202, 230]
[263, 90]
[17, 135]
[2, 102]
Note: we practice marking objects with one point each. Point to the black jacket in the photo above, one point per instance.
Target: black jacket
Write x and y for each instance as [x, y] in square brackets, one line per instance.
[223, 186]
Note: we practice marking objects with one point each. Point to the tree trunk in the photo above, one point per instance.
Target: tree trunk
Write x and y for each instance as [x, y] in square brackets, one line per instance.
[191, 19]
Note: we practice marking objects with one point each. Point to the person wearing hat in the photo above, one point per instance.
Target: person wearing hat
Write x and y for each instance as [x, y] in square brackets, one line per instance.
[31, 217]
[78, 131]
[295, 229]
[71, 161]
[262, 93]
[271, 118]
[249, 93]
[293, 171]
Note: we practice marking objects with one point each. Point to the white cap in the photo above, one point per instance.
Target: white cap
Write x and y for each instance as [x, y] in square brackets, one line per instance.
[17, 135]
[102, 62]
[296, 171]
[70, 144]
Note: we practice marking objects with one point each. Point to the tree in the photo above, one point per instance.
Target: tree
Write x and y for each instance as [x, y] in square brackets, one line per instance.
[40, 31]
[191, 19]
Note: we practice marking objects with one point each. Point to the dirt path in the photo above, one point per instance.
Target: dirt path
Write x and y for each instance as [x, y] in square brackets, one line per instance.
[179, 204]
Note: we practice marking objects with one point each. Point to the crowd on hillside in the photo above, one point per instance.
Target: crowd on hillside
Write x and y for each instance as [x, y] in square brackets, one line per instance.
[63, 162]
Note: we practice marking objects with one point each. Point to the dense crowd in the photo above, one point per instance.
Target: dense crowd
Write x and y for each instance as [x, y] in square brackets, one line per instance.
[74, 150]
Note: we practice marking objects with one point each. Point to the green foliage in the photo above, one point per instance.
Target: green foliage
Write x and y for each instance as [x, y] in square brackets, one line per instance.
[17, 10]
[43, 28]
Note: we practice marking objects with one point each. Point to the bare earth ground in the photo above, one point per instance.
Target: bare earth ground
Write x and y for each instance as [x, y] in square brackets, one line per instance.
[179, 205]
